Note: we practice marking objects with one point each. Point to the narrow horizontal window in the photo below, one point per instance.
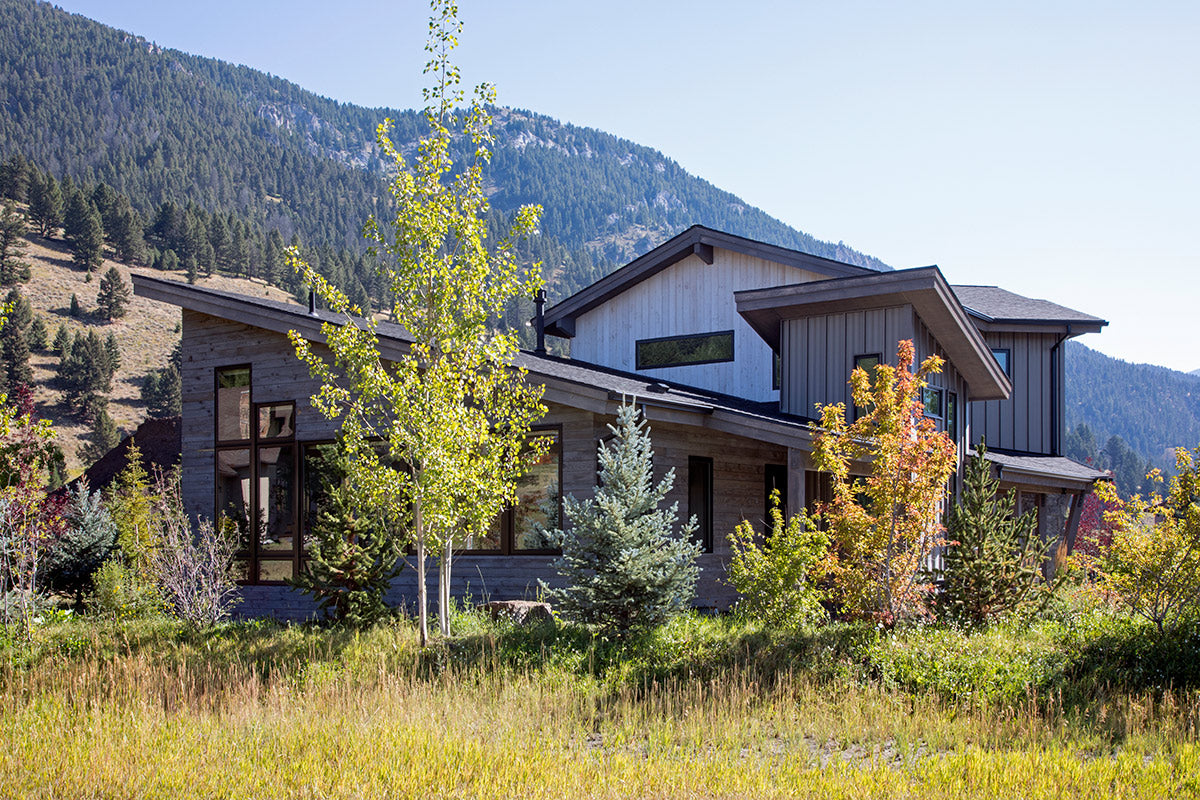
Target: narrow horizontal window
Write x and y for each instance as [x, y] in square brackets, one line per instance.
[680, 351]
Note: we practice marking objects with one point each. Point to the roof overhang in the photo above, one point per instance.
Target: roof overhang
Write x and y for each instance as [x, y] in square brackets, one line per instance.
[572, 383]
[698, 241]
[924, 288]
[1043, 473]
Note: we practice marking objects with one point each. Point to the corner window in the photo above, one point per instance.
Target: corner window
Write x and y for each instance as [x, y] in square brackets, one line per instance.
[700, 499]
[256, 467]
[682, 351]
[1003, 357]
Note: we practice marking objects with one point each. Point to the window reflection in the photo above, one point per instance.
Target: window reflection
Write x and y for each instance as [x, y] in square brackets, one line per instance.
[233, 404]
[539, 498]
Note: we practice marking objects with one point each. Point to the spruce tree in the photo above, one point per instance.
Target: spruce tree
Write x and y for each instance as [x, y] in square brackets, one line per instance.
[113, 296]
[88, 539]
[13, 268]
[38, 336]
[352, 557]
[624, 565]
[994, 562]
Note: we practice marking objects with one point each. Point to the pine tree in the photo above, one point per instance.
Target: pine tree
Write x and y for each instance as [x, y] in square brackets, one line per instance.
[113, 296]
[87, 241]
[352, 557]
[113, 352]
[38, 336]
[128, 242]
[104, 434]
[162, 389]
[12, 246]
[62, 341]
[45, 203]
[75, 309]
[624, 566]
[14, 178]
[994, 562]
[84, 372]
[14, 344]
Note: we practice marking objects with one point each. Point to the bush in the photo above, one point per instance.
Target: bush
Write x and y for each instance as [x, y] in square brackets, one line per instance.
[625, 569]
[89, 537]
[777, 580]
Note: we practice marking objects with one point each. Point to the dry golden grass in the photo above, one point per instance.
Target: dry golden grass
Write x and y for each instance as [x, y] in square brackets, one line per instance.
[307, 713]
[146, 335]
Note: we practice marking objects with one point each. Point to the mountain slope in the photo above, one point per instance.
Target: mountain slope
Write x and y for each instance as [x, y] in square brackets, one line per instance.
[80, 98]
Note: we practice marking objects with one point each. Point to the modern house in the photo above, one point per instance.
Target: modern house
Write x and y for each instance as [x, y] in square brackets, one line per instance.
[727, 344]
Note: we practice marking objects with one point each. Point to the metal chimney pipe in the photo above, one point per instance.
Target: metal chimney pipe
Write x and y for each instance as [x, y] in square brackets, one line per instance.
[539, 301]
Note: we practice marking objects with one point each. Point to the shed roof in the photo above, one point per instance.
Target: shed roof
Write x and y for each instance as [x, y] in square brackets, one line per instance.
[991, 304]
[1042, 470]
[924, 288]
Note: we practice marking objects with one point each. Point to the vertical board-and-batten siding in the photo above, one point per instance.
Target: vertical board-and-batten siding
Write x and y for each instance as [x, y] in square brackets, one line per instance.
[689, 297]
[818, 353]
[1024, 422]
[277, 376]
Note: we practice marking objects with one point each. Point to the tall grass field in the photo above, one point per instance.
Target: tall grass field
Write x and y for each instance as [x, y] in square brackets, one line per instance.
[94, 708]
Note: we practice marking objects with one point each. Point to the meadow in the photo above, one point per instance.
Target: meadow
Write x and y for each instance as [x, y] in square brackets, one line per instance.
[1088, 704]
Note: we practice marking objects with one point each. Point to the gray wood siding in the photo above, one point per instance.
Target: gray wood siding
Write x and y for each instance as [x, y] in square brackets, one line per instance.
[689, 297]
[819, 351]
[210, 342]
[1025, 421]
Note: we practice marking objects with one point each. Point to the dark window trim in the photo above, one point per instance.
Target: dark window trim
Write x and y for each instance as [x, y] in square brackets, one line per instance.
[704, 533]
[709, 334]
[776, 371]
[951, 399]
[217, 404]
[941, 392]
[1008, 363]
[857, 411]
[507, 518]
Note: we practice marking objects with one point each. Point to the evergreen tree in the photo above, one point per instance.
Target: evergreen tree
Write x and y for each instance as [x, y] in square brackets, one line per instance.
[38, 336]
[127, 239]
[994, 562]
[113, 296]
[89, 538]
[624, 566]
[87, 241]
[112, 350]
[62, 341]
[75, 310]
[45, 203]
[12, 246]
[14, 178]
[352, 557]
[85, 372]
[14, 344]
[162, 389]
[104, 434]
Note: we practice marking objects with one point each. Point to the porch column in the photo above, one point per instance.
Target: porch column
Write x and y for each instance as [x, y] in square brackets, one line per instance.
[797, 463]
[1073, 518]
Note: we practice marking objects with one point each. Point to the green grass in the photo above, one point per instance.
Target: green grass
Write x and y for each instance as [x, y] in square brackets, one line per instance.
[701, 708]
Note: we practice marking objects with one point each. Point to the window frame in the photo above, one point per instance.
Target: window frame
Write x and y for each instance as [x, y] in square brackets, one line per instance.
[857, 411]
[941, 395]
[253, 556]
[637, 346]
[1007, 364]
[704, 530]
[507, 516]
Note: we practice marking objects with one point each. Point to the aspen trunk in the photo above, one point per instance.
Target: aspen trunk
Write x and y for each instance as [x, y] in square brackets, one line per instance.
[444, 589]
[422, 598]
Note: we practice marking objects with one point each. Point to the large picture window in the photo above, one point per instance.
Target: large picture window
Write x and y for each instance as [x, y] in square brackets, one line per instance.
[682, 351]
[256, 467]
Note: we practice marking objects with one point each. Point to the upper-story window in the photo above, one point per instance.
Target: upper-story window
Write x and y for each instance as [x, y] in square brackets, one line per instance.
[1003, 357]
[682, 351]
[869, 362]
[952, 416]
[934, 400]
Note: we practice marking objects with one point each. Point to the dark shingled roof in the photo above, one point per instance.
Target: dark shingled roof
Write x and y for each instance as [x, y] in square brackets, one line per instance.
[1000, 305]
[1049, 466]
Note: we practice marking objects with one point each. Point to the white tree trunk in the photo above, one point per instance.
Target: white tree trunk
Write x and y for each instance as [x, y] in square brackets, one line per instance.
[444, 588]
[422, 599]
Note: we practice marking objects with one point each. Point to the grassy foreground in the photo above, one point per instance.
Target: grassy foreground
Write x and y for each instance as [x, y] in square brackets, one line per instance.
[703, 709]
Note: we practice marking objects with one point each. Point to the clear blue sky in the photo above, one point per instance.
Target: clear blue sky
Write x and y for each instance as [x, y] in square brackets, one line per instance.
[1049, 147]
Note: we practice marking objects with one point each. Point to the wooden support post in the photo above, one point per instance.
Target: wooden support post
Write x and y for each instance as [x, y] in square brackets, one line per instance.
[1073, 518]
[796, 466]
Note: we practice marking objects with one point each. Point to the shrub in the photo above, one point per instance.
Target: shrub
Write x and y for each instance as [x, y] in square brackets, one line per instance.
[1152, 564]
[623, 566]
[192, 570]
[776, 580]
[994, 562]
[89, 537]
[352, 555]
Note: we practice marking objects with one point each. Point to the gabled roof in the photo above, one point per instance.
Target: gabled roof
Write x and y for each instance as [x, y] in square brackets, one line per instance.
[994, 306]
[696, 240]
[924, 288]
[568, 381]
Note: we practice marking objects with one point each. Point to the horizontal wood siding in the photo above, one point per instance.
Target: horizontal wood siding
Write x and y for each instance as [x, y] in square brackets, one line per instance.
[819, 351]
[1024, 421]
[209, 343]
[689, 297]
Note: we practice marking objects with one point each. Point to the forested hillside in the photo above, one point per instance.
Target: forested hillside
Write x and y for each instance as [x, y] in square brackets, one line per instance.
[80, 99]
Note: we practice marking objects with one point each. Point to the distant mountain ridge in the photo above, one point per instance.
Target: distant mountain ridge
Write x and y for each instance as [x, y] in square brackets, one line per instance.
[79, 98]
